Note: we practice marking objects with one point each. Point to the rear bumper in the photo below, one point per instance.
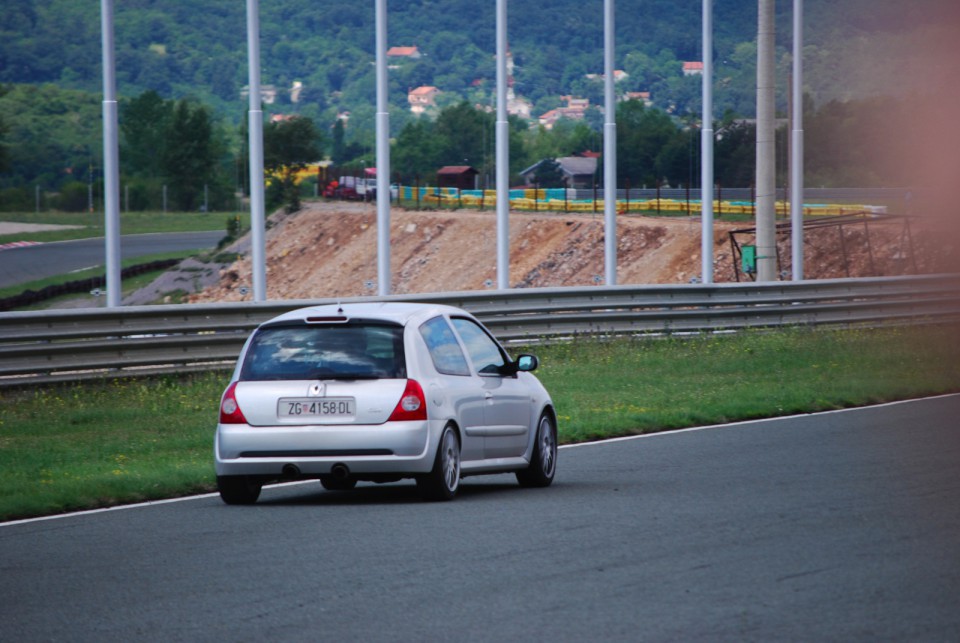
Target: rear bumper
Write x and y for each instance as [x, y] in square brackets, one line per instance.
[391, 448]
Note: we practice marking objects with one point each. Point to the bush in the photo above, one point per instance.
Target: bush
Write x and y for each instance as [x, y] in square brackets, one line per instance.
[74, 197]
[15, 200]
[143, 195]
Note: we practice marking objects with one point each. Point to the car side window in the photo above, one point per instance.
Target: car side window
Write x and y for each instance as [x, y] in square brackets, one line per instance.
[485, 354]
[443, 347]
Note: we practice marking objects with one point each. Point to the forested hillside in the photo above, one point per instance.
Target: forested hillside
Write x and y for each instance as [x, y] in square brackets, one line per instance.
[855, 48]
[868, 63]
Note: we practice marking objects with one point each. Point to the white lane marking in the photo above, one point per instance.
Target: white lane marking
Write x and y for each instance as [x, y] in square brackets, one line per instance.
[153, 503]
[757, 421]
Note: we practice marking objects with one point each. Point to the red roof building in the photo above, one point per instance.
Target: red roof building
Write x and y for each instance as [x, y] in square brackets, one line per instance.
[403, 52]
[421, 98]
[462, 177]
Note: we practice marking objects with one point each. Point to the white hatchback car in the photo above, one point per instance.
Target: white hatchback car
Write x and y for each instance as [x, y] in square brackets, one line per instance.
[381, 392]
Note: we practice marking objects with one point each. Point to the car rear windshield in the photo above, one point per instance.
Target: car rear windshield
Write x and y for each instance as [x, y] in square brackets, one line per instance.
[354, 350]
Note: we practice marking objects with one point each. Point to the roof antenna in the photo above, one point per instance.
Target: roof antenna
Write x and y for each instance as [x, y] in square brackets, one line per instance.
[339, 307]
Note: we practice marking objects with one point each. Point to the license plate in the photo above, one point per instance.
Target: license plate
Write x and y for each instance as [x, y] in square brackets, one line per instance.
[327, 407]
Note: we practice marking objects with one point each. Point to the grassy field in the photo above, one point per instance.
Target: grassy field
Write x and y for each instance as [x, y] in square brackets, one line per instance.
[92, 224]
[90, 445]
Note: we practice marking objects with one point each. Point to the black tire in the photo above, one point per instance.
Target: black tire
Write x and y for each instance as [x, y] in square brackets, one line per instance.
[443, 481]
[338, 484]
[239, 490]
[543, 462]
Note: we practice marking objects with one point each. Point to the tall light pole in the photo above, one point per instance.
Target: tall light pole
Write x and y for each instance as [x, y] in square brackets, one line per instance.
[609, 148]
[111, 157]
[255, 122]
[503, 153]
[766, 159]
[706, 150]
[383, 154]
[796, 160]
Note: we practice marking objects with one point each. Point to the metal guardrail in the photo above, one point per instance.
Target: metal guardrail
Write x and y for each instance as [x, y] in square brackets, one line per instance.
[66, 345]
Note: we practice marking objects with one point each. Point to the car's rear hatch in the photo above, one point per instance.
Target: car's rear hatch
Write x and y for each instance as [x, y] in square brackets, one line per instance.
[333, 371]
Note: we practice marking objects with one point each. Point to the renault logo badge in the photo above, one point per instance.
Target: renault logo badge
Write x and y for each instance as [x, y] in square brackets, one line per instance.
[316, 389]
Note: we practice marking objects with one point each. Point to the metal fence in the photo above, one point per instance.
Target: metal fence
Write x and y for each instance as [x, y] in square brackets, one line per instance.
[65, 345]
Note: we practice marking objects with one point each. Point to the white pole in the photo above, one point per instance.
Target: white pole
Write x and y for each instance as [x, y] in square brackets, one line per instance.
[383, 154]
[255, 120]
[609, 148]
[706, 149]
[766, 185]
[502, 153]
[111, 157]
[796, 161]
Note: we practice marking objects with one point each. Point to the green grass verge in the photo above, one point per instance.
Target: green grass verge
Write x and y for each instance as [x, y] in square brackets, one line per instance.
[92, 224]
[98, 444]
[630, 387]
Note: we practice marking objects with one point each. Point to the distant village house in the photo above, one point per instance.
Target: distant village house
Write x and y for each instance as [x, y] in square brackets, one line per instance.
[422, 98]
[575, 110]
[618, 75]
[268, 93]
[404, 52]
[643, 97]
[462, 177]
[579, 172]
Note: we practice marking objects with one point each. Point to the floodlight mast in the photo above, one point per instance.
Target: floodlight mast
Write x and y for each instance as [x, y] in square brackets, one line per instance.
[766, 186]
[111, 158]
[502, 153]
[609, 148]
[383, 154]
[706, 149]
[796, 152]
[255, 121]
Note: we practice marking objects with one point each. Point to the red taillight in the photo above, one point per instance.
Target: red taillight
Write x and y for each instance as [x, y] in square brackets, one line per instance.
[230, 412]
[412, 404]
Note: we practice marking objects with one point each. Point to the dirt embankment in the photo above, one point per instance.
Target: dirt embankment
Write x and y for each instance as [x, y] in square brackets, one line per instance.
[329, 249]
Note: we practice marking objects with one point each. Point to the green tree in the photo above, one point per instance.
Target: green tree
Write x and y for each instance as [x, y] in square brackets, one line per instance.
[548, 174]
[189, 157]
[288, 147]
[735, 154]
[463, 132]
[416, 151]
[145, 123]
[642, 134]
[4, 154]
[54, 134]
[338, 145]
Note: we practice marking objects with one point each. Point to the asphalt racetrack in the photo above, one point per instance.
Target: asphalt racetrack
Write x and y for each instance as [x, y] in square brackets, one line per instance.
[30, 263]
[840, 526]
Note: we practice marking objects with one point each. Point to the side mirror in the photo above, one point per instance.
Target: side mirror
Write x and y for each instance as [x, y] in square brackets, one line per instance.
[527, 363]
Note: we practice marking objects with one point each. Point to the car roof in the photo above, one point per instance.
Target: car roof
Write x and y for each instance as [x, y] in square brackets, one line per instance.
[397, 312]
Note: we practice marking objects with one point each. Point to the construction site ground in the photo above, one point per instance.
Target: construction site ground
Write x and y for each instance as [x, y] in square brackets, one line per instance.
[329, 249]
